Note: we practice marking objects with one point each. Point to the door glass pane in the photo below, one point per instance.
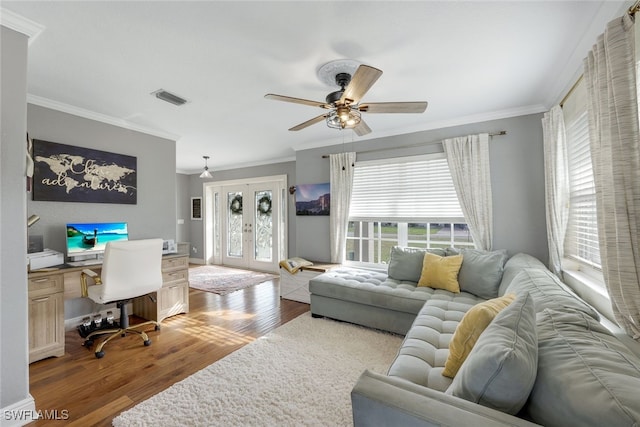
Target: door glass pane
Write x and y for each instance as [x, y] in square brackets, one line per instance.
[234, 221]
[263, 239]
[216, 225]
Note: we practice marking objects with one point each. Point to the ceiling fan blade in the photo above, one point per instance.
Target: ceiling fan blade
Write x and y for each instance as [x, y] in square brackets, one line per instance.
[361, 128]
[362, 80]
[393, 107]
[296, 100]
[310, 122]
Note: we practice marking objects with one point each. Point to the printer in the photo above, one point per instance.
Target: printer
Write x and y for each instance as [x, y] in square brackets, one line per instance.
[44, 259]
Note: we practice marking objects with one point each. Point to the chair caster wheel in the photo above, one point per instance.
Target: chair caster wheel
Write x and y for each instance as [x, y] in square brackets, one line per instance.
[147, 343]
[88, 343]
[157, 328]
[99, 354]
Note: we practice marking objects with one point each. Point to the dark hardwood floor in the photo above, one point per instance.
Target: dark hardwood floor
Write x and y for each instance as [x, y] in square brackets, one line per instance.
[91, 392]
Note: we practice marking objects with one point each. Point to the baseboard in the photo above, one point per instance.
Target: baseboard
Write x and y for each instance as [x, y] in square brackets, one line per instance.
[196, 261]
[72, 324]
[20, 413]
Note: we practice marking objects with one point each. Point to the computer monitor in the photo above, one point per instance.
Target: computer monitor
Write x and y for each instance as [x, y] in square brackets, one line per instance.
[88, 240]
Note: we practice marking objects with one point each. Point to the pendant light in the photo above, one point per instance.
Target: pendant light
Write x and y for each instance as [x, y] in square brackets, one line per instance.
[206, 173]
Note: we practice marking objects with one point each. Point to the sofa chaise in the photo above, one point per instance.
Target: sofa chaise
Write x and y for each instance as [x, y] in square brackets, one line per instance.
[545, 358]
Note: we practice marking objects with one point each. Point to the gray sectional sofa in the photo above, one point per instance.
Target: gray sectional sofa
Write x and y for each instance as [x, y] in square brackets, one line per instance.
[546, 359]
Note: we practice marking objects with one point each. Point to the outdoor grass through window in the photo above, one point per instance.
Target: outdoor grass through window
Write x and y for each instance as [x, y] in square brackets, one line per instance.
[371, 241]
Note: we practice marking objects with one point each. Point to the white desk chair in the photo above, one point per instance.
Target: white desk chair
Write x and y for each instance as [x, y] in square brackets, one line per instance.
[131, 269]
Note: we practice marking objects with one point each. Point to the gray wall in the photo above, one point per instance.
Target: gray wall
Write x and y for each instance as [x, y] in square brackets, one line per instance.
[183, 212]
[14, 354]
[154, 215]
[517, 181]
[196, 185]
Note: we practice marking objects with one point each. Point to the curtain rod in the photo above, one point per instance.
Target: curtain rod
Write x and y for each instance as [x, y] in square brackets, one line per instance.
[631, 11]
[575, 85]
[500, 133]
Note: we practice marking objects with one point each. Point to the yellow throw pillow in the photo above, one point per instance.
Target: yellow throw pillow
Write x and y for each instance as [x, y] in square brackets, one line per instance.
[473, 323]
[441, 272]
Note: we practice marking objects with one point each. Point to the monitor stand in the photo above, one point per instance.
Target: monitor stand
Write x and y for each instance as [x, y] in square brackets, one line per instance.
[84, 260]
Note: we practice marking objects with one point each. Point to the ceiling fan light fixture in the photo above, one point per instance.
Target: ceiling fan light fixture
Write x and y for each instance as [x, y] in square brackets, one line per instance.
[343, 118]
[205, 173]
[344, 105]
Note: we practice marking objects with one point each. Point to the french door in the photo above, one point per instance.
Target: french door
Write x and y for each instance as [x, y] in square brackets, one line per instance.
[248, 224]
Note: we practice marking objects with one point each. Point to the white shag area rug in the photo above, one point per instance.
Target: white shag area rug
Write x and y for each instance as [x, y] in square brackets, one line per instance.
[300, 374]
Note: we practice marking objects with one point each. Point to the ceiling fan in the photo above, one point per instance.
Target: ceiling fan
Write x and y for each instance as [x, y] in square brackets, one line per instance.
[344, 106]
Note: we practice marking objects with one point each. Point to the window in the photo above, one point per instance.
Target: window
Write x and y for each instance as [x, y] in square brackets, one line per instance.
[405, 202]
[581, 241]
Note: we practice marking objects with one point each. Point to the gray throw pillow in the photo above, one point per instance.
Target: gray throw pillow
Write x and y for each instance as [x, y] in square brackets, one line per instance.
[586, 376]
[405, 264]
[452, 251]
[481, 272]
[501, 369]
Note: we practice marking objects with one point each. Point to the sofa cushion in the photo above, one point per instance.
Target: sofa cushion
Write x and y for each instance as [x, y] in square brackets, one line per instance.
[586, 376]
[548, 291]
[425, 348]
[514, 265]
[406, 263]
[474, 322]
[369, 287]
[501, 369]
[481, 272]
[441, 272]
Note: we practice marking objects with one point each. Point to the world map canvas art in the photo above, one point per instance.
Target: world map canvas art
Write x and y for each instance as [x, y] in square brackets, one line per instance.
[66, 173]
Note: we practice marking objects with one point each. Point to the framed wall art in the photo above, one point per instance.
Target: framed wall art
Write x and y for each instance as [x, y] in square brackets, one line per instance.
[313, 199]
[196, 208]
[66, 173]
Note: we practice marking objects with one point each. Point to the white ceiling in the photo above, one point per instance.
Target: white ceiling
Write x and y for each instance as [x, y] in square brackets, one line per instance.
[471, 61]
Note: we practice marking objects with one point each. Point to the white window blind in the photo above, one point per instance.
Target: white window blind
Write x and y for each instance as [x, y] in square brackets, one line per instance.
[581, 241]
[405, 189]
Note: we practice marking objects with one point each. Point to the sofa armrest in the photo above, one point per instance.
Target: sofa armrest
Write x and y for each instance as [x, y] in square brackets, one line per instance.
[380, 400]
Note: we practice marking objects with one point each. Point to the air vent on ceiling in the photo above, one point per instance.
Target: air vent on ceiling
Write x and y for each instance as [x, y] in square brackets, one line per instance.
[169, 97]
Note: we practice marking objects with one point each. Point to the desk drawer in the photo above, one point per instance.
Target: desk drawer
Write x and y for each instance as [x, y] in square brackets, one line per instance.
[45, 285]
[177, 263]
[170, 277]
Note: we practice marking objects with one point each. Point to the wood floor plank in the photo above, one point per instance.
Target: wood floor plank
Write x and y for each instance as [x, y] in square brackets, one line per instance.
[103, 414]
[93, 391]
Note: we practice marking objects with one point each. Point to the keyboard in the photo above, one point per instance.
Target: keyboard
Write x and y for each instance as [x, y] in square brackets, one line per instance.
[85, 262]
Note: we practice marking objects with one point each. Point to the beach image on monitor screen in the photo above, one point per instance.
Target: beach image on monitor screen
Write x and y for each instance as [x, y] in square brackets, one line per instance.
[93, 237]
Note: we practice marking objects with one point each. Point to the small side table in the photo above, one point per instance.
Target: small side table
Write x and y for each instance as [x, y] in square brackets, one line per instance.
[296, 286]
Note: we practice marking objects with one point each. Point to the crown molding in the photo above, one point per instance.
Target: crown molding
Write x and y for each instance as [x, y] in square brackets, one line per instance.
[20, 24]
[99, 117]
[234, 166]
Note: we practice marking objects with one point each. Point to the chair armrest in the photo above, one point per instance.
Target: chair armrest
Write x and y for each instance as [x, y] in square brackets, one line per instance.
[382, 400]
[83, 280]
[90, 273]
